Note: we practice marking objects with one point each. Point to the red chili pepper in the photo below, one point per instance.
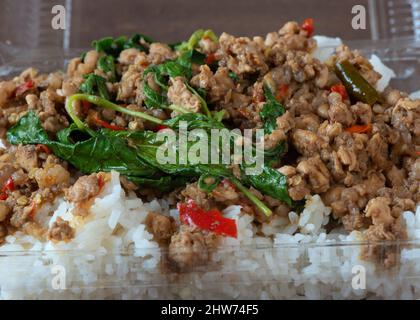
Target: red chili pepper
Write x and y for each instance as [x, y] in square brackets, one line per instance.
[21, 89]
[9, 185]
[210, 59]
[360, 128]
[282, 92]
[33, 210]
[160, 127]
[339, 88]
[211, 220]
[101, 181]
[105, 124]
[43, 148]
[228, 184]
[308, 26]
[418, 153]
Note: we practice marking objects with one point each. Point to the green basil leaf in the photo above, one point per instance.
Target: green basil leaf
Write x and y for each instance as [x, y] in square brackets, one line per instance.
[233, 76]
[153, 99]
[270, 182]
[114, 46]
[194, 121]
[95, 85]
[105, 151]
[107, 65]
[134, 42]
[271, 110]
[28, 130]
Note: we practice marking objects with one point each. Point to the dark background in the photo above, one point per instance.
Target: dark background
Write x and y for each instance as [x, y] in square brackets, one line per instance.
[27, 23]
[175, 20]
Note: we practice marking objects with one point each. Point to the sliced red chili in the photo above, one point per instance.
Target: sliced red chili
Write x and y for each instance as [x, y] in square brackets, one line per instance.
[105, 124]
[190, 213]
[9, 185]
[360, 128]
[282, 92]
[339, 88]
[160, 127]
[308, 26]
[32, 212]
[21, 89]
[228, 184]
[210, 59]
[43, 148]
[101, 181]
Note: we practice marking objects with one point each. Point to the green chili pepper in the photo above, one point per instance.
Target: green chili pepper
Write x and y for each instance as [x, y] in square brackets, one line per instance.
[357, 86]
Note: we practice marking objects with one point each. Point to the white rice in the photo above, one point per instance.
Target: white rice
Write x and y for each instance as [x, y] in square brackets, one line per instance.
[415, 95]
[386, 72]
[113, 256]
[325, 47]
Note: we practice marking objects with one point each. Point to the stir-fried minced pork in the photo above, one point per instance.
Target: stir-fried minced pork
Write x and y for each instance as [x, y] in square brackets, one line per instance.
[359, 154]
[85, 187]
[162, 227]
[179, 94]
[61, 231]
[159, 52]
[241, 55]
[218, 84]
[190, 248]
[83, 191]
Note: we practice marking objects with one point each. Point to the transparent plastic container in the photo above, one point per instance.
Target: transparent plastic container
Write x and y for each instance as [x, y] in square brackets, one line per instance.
[285, 270]
[288, 271]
